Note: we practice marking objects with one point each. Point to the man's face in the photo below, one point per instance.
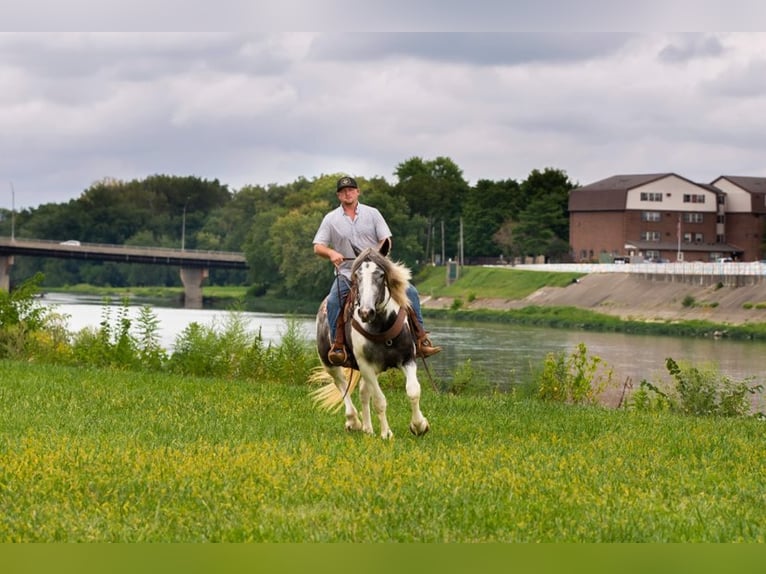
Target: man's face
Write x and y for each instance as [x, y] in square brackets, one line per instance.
[348, 195]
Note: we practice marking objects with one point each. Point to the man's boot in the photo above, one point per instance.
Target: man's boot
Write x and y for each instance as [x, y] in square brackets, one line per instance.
[423, 345]
[425, 348]
[337, 355]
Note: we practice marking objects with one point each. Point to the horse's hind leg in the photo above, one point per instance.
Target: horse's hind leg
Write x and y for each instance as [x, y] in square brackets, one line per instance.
[418, 423]
[352, 415]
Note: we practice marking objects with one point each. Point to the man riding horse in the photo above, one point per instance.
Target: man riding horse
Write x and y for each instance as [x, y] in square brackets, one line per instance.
[343, 233]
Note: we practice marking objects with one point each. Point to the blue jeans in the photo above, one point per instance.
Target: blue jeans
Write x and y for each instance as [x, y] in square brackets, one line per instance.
[341, 287]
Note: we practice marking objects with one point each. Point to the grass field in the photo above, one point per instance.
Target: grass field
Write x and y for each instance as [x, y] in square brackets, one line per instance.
[488, 282]
[103, 455]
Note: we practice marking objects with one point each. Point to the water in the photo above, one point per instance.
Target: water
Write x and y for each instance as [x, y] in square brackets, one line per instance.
[510, 352]
[506, 354]
[84, 312]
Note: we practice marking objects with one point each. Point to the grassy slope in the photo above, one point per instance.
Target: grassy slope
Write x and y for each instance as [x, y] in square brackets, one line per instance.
[482, 282]
[486, 282]
[93, 455]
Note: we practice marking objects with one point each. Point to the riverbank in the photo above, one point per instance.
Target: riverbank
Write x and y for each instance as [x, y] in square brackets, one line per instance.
[634, 298]
[628, 297]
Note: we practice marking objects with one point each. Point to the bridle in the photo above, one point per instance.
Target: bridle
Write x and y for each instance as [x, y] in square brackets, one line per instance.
[396, 327]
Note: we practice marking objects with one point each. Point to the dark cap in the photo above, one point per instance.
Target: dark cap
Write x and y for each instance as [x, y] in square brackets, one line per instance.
[346, 181]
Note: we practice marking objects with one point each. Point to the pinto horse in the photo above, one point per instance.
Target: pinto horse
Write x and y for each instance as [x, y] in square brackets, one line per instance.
[379, 336]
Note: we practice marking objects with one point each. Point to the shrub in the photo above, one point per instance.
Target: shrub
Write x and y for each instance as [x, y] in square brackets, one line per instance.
[577, 378]
[467, 376]
[113, 343]
[697, 391]
[21, 316]
[231, 351]
[688, 301]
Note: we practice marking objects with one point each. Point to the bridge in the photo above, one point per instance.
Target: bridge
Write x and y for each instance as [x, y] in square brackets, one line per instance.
[194, 264]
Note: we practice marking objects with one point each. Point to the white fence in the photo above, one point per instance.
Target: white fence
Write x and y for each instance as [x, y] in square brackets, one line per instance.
[730, 269]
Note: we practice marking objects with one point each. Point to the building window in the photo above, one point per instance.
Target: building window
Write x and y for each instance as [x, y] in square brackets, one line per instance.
[699, 238]
[693, 218]
[649, 196]
[687, 238]
[652, 255]
[694, 198]
[651, 216]
[650, 236]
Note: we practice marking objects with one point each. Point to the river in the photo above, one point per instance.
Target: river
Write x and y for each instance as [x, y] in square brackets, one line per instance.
[504, 354]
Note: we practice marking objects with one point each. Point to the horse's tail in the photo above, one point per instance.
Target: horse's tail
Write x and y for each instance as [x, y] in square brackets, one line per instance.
[328, 397]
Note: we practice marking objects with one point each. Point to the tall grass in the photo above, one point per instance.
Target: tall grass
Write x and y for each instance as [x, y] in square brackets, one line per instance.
[106, 455]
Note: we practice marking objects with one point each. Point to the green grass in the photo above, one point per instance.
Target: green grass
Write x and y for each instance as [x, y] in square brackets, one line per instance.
[103, 455]
[483, 282]
[488, 282]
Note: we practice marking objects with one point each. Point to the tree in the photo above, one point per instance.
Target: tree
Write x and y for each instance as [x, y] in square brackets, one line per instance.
[434, 190]
[305, 275]
[486, 207]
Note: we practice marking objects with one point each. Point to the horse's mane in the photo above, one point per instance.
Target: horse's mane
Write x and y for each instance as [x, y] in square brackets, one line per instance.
[397, 274]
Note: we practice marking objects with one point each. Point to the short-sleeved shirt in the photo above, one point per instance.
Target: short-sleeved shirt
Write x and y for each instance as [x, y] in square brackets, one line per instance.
[338, 231]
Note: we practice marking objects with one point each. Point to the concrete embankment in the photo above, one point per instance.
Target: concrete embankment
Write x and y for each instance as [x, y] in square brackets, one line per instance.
[646, 298]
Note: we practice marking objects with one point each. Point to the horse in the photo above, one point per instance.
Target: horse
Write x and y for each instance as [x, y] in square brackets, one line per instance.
[379, 337]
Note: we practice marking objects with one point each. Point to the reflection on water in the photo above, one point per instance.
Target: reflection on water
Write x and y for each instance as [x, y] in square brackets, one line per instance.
[505, 353]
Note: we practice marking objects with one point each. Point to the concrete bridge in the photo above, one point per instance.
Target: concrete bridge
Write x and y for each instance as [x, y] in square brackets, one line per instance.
[194, 264]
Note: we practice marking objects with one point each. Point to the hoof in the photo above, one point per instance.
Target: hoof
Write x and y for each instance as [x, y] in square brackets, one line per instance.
[353, 426]
[421, 429]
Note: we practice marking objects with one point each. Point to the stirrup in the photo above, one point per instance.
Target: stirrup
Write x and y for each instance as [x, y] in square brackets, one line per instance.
[337, 356]
[426, 349]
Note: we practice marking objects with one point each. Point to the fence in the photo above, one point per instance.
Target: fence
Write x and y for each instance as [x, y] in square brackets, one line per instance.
[697, 272]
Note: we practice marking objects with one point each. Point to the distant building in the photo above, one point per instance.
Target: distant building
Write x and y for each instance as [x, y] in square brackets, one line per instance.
[666, 217]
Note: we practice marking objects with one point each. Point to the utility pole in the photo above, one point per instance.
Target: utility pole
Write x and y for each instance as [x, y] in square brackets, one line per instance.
[444, 260]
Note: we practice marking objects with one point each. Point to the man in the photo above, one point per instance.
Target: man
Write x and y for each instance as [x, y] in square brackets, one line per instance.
[355, 225]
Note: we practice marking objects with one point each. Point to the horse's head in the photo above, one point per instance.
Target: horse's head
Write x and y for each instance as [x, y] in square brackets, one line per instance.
[380, 283]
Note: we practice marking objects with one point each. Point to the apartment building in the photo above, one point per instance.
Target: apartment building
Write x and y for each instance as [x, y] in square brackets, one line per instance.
[666, 217]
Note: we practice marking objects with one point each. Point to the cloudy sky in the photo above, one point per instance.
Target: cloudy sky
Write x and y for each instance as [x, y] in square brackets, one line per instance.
[260, 108]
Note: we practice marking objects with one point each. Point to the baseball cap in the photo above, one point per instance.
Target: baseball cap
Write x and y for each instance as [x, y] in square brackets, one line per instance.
[346, 181]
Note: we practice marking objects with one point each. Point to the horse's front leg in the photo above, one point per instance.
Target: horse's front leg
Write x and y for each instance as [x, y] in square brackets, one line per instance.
[418, 423]
[370, 390]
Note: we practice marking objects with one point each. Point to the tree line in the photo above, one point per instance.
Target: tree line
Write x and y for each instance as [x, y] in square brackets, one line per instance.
[434, 215]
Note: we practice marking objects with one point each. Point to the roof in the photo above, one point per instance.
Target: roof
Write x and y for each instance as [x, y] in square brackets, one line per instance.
[747, 183]
[610, 194]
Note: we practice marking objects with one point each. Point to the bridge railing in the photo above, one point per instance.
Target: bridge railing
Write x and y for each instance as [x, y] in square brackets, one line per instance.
[84, 245]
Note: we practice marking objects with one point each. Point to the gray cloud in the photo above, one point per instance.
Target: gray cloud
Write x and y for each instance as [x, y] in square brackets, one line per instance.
[488, 49]
[269, 108]
[691, 47]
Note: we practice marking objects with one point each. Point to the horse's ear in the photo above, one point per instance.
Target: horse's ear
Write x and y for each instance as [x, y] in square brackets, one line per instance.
[385, 247]
[356, 250]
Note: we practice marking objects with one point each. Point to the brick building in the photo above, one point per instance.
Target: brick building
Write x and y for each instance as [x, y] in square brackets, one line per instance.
[664, 216]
